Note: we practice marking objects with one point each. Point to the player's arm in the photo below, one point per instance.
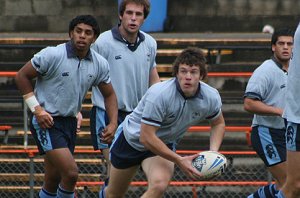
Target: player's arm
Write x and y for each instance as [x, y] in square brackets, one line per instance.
[150, 140]
[217, 132]
[154, 77]
[23, 81]
[258, 107]
[111, 106]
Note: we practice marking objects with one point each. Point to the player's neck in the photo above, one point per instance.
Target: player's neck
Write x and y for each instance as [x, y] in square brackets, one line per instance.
[128, 36]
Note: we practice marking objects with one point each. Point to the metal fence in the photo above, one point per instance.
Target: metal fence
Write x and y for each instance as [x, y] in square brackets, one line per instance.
[21, 175]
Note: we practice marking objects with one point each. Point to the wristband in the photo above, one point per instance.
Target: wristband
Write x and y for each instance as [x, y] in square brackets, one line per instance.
[31, 102]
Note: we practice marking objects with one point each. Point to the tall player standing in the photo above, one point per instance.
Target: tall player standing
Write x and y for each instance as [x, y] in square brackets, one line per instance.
[264, 98]
[131, 55]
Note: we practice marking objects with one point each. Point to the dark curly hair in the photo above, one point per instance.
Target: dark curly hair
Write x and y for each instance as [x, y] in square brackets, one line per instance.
[281, 32]
[192, 56]
[86, 19]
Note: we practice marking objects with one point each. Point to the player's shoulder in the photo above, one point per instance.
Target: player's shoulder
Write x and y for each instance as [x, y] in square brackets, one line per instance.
[148, 38]
[97, 56]
[266, 65]
[265, 69]
[104, 38]
[54, 51]
[163, 89]
[206, 88]
[209, 93]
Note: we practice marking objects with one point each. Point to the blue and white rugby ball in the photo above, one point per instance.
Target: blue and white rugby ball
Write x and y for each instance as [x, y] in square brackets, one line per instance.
[210, 164]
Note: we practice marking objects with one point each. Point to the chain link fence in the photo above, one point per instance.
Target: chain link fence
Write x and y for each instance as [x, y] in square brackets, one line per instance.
[22, 176]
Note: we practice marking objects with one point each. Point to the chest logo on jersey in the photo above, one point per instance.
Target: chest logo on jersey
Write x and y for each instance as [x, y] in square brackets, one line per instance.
[118, 57]
[148, 56]
[65, 74]
[195, 115]
[282, 86]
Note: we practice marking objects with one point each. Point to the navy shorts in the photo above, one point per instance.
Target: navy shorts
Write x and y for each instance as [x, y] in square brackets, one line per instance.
[99, 120]
[269, 144]
[123, 156]
[293, 136]
[61, 135]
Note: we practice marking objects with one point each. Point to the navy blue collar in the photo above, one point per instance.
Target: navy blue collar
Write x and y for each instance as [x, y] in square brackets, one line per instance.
[278, 64]
[132, 46]
[71, 51]
[197, 94]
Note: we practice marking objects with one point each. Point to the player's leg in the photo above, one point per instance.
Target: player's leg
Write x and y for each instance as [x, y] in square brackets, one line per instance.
[58, 143]
[119, 182]
[51, 180]
[279, 174]
[291, 188]
[269, 144]
[125, 161]
[159, 172]
[62, 161]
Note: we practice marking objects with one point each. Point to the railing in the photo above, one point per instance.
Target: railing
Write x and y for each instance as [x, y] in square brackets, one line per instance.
[91, 179]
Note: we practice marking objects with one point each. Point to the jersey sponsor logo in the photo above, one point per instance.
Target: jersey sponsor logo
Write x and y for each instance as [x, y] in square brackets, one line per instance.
[118, 57]
[282, 86]
[195, 115]
[65, 74]
[270, 151]
[148, 56]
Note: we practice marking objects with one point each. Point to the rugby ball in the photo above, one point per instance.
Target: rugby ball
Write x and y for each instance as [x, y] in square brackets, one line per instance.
[210, 164]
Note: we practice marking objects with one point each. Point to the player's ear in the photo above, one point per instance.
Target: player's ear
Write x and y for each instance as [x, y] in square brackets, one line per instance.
[71, 34]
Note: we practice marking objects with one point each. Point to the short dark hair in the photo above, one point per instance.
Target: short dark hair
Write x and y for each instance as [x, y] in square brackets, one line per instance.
[191, 56]
[86, 19]
[144, 3]
[281, 32]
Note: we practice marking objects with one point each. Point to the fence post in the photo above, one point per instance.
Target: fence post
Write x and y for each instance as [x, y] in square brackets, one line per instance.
[25, 124]
[31, 173]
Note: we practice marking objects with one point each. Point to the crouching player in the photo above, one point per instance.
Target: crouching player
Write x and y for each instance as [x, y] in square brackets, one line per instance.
[147, 136]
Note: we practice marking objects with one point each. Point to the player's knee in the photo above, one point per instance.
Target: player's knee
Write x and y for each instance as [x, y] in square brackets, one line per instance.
[159, 186]
[71, 175]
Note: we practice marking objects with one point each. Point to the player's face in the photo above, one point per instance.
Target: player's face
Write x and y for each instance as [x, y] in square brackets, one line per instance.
[188, 78]
[283, 48]
[132, 18]
[83, 36]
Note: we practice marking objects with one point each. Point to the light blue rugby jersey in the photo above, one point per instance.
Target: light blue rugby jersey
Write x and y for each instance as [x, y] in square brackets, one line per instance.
[165, 106]
[268, 84]
[292, 108]
[64, 79]
[129, 69]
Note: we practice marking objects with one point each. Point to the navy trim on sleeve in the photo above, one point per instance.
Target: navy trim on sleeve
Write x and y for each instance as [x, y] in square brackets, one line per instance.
[253, 95]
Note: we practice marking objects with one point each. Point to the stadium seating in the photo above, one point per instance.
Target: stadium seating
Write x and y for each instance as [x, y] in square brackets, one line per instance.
[230, 67]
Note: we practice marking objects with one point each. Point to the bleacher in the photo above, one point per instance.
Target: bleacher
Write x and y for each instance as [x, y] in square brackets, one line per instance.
[231, 61]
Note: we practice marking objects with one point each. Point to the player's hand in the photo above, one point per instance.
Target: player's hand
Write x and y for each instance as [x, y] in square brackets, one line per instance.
[185, 164]
[43, 118]
[79, 120]
[108, 133]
